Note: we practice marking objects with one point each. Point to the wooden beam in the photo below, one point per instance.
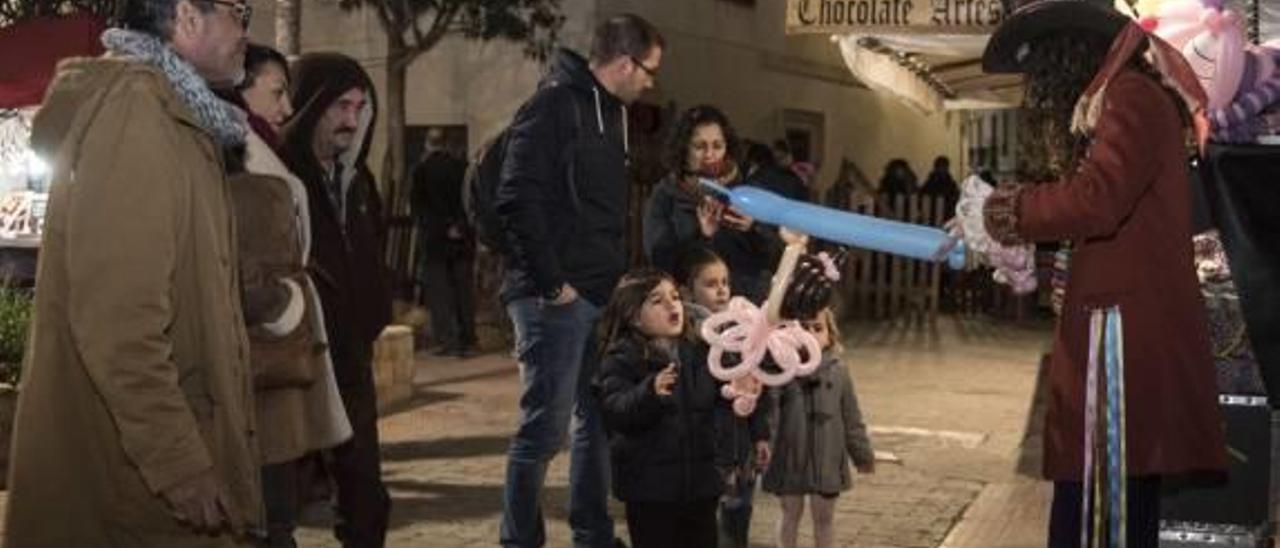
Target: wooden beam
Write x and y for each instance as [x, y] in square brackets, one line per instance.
[987, 82]
[957, 65]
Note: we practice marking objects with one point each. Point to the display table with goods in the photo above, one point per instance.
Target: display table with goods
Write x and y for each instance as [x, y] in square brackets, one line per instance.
[22, 198]
[29, 52]
[1239, 266]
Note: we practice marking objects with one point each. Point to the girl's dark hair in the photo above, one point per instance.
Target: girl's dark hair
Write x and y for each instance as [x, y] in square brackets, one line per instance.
[257, 56]
[692, 261]
[810, 290]
[625, 304]
[677, 148]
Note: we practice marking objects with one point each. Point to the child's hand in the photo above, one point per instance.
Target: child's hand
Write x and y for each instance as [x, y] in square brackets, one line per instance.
[867, 469]
[665, 381]
[763, 455]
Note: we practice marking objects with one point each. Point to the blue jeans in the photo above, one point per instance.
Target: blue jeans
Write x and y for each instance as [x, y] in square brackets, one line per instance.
[556, 349]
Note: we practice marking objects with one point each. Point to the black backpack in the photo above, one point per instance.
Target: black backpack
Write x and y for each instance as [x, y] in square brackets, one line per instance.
[480, 190]
[480, 187]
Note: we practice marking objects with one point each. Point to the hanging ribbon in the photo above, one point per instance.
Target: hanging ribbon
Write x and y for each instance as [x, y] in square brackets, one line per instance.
[1104, 496]
[1117, 465]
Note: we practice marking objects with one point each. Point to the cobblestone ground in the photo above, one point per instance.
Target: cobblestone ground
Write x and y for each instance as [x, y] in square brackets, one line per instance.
[948, 400]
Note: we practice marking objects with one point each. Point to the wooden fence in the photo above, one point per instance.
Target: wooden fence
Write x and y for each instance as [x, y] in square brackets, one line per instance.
[879, 286]
[875, 286]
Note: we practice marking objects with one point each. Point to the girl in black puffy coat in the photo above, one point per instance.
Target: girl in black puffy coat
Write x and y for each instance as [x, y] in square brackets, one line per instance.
[658, 400]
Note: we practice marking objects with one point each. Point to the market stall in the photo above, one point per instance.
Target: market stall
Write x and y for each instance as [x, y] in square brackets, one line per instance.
[29, 53]
[926, 53]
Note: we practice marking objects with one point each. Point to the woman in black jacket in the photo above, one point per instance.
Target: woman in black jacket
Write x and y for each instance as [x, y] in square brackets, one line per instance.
[657, 399]
[681, 215]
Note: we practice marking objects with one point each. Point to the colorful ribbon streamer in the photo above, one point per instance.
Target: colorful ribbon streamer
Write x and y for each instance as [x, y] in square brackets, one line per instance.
[1105, 474]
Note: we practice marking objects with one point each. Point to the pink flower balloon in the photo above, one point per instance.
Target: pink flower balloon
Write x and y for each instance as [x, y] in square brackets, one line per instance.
[744, 330]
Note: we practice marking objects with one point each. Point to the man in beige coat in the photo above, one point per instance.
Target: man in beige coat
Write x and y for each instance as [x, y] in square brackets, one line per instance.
[134, 424]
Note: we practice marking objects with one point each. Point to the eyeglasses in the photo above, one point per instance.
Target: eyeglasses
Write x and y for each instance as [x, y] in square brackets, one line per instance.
[653, 73]
[241, 10]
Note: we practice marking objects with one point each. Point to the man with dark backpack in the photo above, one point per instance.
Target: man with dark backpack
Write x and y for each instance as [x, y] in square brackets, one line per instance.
[480, 185]
[561, 205]
[480, 190]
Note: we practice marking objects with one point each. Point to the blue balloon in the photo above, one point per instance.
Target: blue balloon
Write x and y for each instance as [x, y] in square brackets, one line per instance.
[842, 227]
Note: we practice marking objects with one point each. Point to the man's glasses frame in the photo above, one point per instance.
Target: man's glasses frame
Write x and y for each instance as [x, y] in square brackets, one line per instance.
[241, 9]
[653, 73]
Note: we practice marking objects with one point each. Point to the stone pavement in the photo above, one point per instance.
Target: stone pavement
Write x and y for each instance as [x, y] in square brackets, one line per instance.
[949, 400]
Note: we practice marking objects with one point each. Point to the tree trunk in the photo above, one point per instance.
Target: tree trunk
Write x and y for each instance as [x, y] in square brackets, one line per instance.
[393, 179]
[393, 174]
[289, 27]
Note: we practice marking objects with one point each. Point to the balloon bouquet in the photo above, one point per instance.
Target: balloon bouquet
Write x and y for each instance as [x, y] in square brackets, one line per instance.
[1240, 78]
[755, 347]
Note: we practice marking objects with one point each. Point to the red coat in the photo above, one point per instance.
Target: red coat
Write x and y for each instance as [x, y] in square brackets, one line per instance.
[1127, 210]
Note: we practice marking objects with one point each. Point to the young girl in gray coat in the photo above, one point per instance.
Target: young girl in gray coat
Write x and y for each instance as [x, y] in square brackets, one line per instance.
[819, 429]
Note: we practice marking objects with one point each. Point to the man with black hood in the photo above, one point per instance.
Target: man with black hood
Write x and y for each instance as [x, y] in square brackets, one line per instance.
[325, 145]
[562, 201]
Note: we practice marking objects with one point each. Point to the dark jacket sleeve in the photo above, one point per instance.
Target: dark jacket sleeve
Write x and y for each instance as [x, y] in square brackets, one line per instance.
[532, 185]
[773, 413]
[373, 208]
[759, 421]
[766, 244]
[762, 239]
[1116, 171]
[662, 239]
[379, 299]
[435, 214]
[856, 441]
[627, 401]
[419, 192]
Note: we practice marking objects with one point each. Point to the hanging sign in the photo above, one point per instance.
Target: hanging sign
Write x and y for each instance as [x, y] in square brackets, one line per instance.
[894, 16]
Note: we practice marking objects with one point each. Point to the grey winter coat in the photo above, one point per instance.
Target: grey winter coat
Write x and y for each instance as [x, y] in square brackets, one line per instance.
[819, 428]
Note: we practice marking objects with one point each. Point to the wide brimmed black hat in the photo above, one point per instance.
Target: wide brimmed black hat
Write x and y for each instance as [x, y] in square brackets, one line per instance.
[1007, 50]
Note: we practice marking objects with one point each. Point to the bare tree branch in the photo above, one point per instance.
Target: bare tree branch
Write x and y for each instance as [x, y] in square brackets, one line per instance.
[415, 20]
[441, 26]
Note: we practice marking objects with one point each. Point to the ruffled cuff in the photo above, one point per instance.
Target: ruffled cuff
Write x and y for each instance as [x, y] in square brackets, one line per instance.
[1001, 214]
